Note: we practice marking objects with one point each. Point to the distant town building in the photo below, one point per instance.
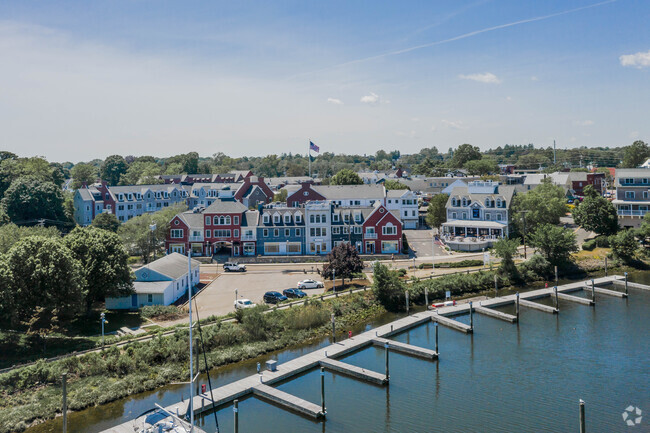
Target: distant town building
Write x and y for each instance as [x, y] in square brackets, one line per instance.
[632, 195]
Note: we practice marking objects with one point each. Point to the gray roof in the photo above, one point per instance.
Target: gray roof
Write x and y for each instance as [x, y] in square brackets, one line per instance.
[193, 220]
[139, 188]
[85, 194]
[226, 206]
[393, 193]
[250, 218]
[152, 287]
[506, 192]
[173, 265]
[632, 172]
[343, 192]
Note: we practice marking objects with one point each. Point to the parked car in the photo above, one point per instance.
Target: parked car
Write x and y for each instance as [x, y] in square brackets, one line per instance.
[243, 303]
[294, 293]
[310, 284]
[234, 267]
[274, 297]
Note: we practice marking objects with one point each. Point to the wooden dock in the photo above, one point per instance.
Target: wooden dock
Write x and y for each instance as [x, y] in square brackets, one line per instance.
[407, 349]
[496, 314]
[537, 306]
[288, 401]
[261, 385]
[354, 371]
[607, 292]
[576, 299]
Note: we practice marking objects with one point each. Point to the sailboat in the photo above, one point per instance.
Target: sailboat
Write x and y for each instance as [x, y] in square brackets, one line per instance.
[159, 419]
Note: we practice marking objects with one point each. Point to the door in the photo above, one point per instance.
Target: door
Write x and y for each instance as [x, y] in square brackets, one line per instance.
[317, 248]
[134, 301]
[370, 248]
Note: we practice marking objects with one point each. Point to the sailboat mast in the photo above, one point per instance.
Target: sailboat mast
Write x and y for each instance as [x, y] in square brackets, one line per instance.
[189, 288]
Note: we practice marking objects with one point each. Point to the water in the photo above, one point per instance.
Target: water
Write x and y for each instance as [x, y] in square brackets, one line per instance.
[504, 377]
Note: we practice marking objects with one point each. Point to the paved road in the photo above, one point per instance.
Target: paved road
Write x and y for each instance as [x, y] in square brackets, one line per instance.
[581, 234]
[420, 243]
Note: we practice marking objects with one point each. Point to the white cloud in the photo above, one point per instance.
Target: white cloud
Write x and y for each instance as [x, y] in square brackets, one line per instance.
[634, 134]
[508, 98]
[452, 124]
[534, 78]
[487, 77]
[638, 60]
[371, 99]
[334, 101]
[583, 122]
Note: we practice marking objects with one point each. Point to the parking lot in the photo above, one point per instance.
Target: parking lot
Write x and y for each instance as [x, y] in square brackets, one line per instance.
[218, 297]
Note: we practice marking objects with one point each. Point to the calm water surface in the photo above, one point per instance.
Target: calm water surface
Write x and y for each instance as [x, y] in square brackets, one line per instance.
[504, 377]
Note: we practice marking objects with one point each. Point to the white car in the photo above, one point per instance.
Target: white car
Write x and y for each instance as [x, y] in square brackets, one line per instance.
[310, 284]
[243, 303]
[234, 267]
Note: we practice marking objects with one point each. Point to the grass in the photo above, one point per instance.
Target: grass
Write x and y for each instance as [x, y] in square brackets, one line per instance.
[31, 394]
[596, 254]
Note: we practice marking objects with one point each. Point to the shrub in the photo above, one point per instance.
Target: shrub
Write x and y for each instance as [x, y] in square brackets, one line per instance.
[308, 317]
[401, 272]
[536, 268]
[162, 312]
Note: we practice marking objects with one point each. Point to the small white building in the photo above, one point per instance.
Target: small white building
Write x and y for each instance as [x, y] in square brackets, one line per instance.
[406, 203]
[160, 282]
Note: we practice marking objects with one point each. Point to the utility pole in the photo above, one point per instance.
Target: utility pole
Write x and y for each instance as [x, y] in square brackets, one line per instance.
[523, 215]
[554, 160]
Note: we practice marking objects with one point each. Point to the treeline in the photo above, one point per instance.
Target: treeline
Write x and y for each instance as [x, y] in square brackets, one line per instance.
[46, 278]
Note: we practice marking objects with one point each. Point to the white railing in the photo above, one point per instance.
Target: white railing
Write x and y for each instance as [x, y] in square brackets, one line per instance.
[370, 235]
[196, 238]
[467, 239]
[623, 212]
[248, 237]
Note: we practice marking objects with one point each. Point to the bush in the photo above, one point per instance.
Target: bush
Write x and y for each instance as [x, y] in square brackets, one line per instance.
[457, 284]
[401, 272]
[405, 244]
[536, 268]
[162, 312]
[600, 242]
[461, 264]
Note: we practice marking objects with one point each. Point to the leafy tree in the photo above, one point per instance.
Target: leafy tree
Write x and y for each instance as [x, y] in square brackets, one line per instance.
[10, 234]
[554, 243]
[437, 210]
[635, 154]
[136, 234]
[344, 260]
[388, 288]
[506, 250]
[481, 167]
[543, 205]
[644, 231]
[59, 173]
[346, 177]
[394, 184]
[83, 173]
[596, 213]
[624, 245]
[43, 273]
[103, 262]
[141, 173]
[175, 168]
[281, 195]
[106, 221]
[113, 168]
[464, 153]
[30, 197]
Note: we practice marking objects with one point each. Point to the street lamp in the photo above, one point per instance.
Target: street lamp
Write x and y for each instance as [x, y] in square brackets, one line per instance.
[103, 319]
[152, 227]
[334, 280]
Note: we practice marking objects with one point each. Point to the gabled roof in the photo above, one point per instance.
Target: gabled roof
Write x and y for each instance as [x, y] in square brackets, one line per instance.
[394, 193]
[226, 206]
[85, 194]
[191, 219]
[173, 265]
[507, 192]
[250, 218]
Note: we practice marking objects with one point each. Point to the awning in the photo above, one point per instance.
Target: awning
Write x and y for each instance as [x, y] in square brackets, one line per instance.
[475, 224]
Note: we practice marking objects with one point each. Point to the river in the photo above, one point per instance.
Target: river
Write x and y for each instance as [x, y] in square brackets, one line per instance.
[504, 377]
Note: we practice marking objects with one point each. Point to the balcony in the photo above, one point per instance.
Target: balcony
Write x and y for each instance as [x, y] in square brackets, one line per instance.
[196, 238]
[628, 212]
[370, 235]
[248, 237]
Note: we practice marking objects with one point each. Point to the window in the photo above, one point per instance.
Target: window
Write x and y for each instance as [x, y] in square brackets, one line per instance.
[236, 220]
[221, 233]
[312, 232]
[177, 233]
[336, 230]
[335, 218]
[287, 232]
[266, 218]
[271, 248]
[488, 217]
[265, 233]
[324, 218]
[298, 218]
[318, 218]
[389, 229]
[499, 217]
[311, 218]
[236, 233]
[276, 232]
[276, 218]
[645, 194]
[228, 220]
[357, 230]
[208, 233]
[120, 207]
[346, 230]
[150, 298]
[298, 232]
[464, 215]
[287, 218]
[629, 194]
[324, 231]
[208, 221]
[370, 230]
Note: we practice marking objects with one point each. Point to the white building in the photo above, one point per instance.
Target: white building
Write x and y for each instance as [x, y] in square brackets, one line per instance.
[318, 239]
[160, 282]
[406, 203]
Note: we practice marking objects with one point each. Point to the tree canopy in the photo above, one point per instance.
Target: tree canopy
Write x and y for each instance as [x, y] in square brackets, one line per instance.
[344, 260]
[506, 250]
[346, 177]
[554, 243]
[106, 221]
[482, 167]
[30, 197]
[545, 204]
[388, 288]
[83, 173]
[596, 213]
[635, 154]
[113, 168]
[394, 184]
[464, 153]
[437, 210]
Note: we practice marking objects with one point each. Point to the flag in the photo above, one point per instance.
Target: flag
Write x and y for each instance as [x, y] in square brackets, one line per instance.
[311, 158]
[313, 147]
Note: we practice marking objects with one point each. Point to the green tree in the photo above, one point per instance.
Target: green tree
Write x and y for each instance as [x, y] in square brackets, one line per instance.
[346, 177]
[554, 243]
[437, 211]
[10, 234]
[43, 273]
[112, 169]
[103, 262]
[635, 154]
[394, 184]
[344, 260]
[106, 221]
[388, 288]
[542, 205]
[624, 245]
[83, 173]
[281, 195]
[596, 213]
[481, 167]
[136, 234]
[141, 173]
[30, 197]
[506, 249]
[644, 231]
[464, 153]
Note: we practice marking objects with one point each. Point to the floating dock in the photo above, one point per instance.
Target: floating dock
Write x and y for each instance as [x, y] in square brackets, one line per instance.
[451, 323]
[607, 292]
[576, 299]
[288, 401]
[538, 306]
[496, 314]
[354, 371]
[407, 349]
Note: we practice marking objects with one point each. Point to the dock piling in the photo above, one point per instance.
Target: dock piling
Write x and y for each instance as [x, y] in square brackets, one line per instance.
[322, 390]
[333, 328]
[471, 316]
[64, 406]
[517, 307]
[626, 283]
[593, 291]
[582, 417]
[496, 286]
[557, 301]
[386, 349]
[605, 266]
[235, 410]
[426, 297]
[556, 280]
[436, 326]
[407, 302]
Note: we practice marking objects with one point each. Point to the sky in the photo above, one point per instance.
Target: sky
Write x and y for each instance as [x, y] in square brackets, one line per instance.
[84, 80]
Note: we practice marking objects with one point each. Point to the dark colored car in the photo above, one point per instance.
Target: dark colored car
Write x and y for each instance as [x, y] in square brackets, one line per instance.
[294, 293]
[274, 297]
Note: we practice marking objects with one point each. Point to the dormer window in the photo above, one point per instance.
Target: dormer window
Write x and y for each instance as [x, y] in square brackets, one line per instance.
[335, 217]
[499, 203]
[287, 218]
[266, 218]
[298, 218]
[276, 218]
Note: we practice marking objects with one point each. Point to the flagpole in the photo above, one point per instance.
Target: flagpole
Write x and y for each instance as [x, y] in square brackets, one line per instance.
[309, 156]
